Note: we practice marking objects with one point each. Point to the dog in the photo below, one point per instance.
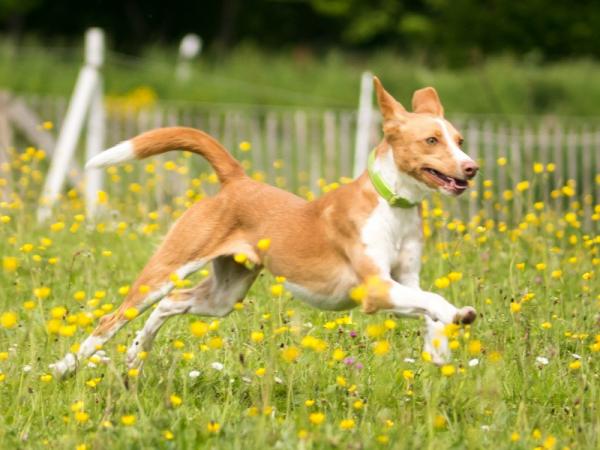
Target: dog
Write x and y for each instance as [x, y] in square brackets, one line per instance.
[366, 233]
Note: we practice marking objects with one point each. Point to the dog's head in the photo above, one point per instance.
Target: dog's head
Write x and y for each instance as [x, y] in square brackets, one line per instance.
[424, 144]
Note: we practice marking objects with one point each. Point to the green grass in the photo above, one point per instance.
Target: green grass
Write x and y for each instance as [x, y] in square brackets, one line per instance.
[478, 406]
[250, 76]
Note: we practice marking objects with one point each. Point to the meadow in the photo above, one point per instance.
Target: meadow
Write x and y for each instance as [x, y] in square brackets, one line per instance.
[278, 374]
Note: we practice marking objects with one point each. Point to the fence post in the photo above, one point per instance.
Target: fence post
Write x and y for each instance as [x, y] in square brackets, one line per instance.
[363, 126]
[189, 48]
[83, 94]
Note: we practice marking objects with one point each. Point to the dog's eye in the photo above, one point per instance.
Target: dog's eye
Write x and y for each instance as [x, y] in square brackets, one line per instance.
[461, 142]
[431, 140]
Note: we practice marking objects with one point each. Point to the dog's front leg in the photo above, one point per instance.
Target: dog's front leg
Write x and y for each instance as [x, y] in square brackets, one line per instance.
[407, 301]
[407, 273]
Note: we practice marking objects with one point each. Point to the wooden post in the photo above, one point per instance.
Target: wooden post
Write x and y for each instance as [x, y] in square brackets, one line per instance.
[83, 95]
[363, 126]
[190, 47]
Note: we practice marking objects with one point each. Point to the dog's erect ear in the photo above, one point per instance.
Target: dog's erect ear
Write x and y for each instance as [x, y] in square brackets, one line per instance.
[390, 108]
[426, 100]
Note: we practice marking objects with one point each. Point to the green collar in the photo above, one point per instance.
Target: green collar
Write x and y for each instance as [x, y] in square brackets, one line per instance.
[384, 189]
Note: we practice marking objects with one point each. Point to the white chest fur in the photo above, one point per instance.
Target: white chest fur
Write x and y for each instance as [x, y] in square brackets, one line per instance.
[389, 235]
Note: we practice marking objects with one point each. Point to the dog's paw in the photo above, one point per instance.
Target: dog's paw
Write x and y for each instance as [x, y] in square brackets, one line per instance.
[64, 367]
[465, 315]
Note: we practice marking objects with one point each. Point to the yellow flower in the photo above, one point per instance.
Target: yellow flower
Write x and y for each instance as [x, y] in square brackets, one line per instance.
[10, 264]
[439, 422]
[515, 437]
[199, 328]
[175, 400]
[358, 293]
[442, 283]
[381, 348]
[46, 378]
[128, 420]
[538, 167]
[448, 370]
[408, 374]
[82, 416]
[540, 266]
[131, 313]
[42, 292]
[520, 266]
[290, 354]
[515, 307]
[58, 226]
[240, 258]
[389, 324]
[455, 276]
[556, 274]
[133, 373]
[257, 336]
[522, 186]
[260, 372]
[347, 424]
[501, 161]
[383, 439]
[245, 146]
[375, 330]
[338, 354]
[358, 404]
[213, 427]
[215, 343]
[168, 435]
[316, 418]
[546, 325]
[575, 365]
[474, 347]
[264, 244]
[67, 330]
[277, 289]
[8, 319]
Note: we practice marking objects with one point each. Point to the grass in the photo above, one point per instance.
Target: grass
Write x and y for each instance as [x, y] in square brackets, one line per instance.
[524, 376]
[500, 86]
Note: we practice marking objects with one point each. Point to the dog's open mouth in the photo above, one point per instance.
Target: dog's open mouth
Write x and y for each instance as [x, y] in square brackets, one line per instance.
[451, 184]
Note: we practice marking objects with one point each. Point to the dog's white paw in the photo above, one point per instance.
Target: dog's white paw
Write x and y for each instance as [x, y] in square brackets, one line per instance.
[65, 366]
[465, 315]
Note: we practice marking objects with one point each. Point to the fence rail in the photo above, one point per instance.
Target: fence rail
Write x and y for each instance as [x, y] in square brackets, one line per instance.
[296, 148]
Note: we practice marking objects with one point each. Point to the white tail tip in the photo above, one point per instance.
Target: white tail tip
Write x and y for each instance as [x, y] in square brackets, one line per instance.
[115, 155]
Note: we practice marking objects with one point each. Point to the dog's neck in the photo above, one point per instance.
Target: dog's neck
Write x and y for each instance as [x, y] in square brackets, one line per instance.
[402, 184]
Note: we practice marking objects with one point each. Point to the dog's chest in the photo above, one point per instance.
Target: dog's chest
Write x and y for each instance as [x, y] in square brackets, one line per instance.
[387, 233]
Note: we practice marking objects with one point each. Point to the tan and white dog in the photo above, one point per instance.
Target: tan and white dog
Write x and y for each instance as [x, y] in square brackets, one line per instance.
[365, 230]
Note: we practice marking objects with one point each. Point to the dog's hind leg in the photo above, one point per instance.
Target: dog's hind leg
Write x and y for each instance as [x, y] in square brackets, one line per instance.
[215, 296]
[156, 280]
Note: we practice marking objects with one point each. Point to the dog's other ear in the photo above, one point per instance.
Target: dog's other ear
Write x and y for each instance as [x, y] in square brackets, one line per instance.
[390, 108]
[426, 100]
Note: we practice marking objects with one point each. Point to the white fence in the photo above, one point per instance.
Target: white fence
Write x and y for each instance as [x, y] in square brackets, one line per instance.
[319, 144]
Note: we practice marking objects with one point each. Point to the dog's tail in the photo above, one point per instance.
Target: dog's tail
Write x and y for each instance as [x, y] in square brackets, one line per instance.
[164, 140]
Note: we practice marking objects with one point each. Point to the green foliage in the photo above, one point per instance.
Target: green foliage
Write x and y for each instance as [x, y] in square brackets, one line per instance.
[250, 76]
[455, 32]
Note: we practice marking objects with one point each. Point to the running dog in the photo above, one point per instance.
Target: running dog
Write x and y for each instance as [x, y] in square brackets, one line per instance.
[366, 233]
